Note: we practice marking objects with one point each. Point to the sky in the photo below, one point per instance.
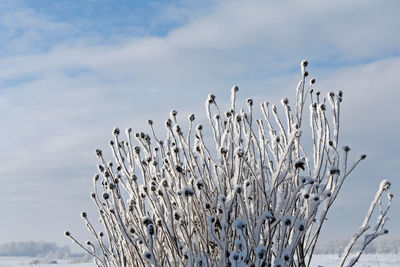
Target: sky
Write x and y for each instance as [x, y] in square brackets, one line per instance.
[72, 70]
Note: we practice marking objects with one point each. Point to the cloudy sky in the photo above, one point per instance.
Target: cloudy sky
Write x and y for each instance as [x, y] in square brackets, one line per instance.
[72, 70]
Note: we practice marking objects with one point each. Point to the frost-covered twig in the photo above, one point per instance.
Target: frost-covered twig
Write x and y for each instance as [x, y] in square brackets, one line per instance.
[376, 231]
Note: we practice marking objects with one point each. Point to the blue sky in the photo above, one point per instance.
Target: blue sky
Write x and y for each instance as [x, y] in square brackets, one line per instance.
[72, 70]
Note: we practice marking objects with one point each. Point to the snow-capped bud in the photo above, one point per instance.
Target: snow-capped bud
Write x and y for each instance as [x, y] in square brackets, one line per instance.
[299, 164]
[173, 113]
[385, 185]
[191, 117]
[239, 224]
[260, 251]
[200, 184]
[99, 153]
[333, 170]
[211, 98]
[234, 256]
[239, 189]
[286, 256]
[287, 220]
[168, 123]
[116, 131]
[285, 101]
[188, 192]
[179, 169]
[235, 88]
[300, 226]
[212, 219]
[249, 101]
[312, 81]
[147, 255]
[238, 118]
[150, 229]
[147, 220]
[239, 152]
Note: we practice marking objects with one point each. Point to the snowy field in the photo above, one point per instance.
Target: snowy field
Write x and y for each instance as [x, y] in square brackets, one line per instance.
[370, 260]
[366, 260]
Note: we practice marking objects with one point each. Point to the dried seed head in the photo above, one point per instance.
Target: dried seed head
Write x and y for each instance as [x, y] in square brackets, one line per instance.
[150, 122]
[239, 224]
[191, 117]
[211, 98]
[174, 113]
[346, 148]
[147, 220]
[99, 153]
[83, 214]
[116, 131]
[147, 255]
[187, 191]
[150, 229]
[67, 233]
[260, 251]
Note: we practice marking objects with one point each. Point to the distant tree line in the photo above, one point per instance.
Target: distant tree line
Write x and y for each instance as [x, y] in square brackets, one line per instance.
[36, 249]
[382, 246]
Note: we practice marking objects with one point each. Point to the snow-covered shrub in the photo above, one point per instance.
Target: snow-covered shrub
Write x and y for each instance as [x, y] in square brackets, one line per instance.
[257, 197]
